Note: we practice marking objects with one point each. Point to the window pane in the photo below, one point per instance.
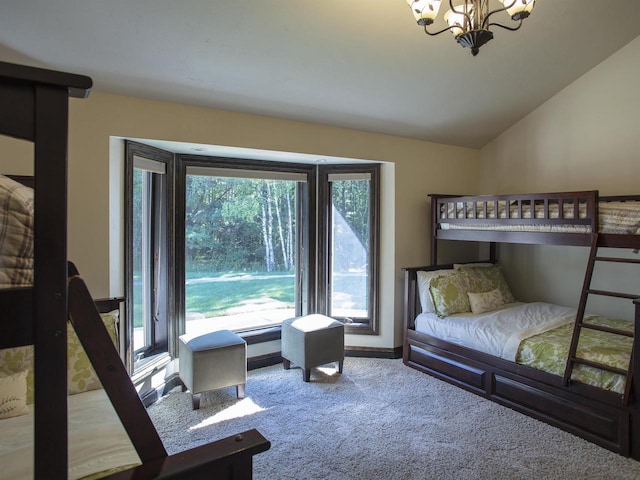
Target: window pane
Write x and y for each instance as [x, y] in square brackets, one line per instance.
[240, 252]
[350, 248]
[141, 259]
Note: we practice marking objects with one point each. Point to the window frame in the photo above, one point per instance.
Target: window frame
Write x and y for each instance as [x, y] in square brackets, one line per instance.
[306, 215]
[162, 281]
[370, 327]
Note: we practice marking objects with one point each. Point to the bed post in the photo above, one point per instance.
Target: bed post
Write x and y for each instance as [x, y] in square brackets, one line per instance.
[434, 229]
[634, 447]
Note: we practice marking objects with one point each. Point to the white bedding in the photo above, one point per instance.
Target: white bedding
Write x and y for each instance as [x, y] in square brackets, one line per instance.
[498, 332]
[97, 439]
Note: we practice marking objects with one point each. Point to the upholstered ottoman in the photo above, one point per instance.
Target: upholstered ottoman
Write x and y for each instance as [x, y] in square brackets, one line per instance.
[212, 361]
[311, 341]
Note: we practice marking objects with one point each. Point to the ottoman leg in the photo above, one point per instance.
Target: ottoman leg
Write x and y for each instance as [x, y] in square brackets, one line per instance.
[286, 364]
[306, 374]
[339, 366]
[240, 390]
[195, 401]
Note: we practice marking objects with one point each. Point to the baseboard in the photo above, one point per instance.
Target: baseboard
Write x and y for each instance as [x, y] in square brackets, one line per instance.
[151, 396]
[373, 352]
[264, 361]
[370, 352]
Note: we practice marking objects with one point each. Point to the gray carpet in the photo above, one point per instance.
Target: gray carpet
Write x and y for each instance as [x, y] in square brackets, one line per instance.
[381, 420]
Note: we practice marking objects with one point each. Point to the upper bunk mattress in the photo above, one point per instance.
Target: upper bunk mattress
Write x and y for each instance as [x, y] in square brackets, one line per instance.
[16, 234]
[619, 217]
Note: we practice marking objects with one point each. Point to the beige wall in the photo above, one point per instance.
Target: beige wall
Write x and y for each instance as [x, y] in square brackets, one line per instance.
[95, 236]
[587, 137]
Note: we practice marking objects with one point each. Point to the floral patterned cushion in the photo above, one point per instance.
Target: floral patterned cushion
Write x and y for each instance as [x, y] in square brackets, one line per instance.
[424, 280]
[449, 293]
[13, 395]
[80, 374]
[485, 302]
[18, 359]
[487, 279]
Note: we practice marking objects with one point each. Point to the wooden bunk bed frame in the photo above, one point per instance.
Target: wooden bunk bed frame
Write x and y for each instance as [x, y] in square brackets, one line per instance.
[35, 108]
[606, 418]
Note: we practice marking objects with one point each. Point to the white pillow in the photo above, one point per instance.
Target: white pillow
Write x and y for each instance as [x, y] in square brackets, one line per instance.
[13, 395]
[424, 279]
[485, 302]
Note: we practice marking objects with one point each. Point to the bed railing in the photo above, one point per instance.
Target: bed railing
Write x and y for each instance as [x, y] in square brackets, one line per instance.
[565, 218]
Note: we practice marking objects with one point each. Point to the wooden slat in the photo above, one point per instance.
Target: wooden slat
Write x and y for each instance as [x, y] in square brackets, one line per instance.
[601, 328]
[16, 306]
[600, 366]
[606, 293]
[618, 260]
[226, 459]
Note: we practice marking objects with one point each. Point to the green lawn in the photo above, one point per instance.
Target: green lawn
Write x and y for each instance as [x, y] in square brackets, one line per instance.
[213, 298]
[212, 294]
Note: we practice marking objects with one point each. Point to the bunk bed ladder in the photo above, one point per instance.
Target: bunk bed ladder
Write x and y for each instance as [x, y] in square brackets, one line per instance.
[573, 359]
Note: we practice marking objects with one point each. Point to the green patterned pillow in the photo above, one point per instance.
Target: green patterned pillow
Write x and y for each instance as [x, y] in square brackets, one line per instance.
[487, 279]
[80, 375]
[449, 293]
[16, 360]
[424, 279]
[13, 395]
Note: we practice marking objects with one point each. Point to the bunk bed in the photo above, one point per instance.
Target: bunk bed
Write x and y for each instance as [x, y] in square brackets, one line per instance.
[604, 415]
[36, 310]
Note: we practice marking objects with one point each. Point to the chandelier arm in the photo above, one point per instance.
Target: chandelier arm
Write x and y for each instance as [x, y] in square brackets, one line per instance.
[467, 16]
[436, 33]
[485, 22]
[513, 29]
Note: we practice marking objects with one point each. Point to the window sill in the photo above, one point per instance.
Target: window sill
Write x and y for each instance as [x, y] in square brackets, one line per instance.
[148, 366]
[261, 335]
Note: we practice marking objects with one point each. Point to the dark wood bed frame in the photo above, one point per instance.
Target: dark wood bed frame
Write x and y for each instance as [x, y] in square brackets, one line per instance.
[603, 417]
[35, 108]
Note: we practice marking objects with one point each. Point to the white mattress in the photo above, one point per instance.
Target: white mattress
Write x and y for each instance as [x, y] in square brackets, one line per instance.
[499, 332]
[97, 439]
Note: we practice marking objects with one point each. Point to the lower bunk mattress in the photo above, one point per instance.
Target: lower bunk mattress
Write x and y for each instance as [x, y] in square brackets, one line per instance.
[538, 335]
[98, 443]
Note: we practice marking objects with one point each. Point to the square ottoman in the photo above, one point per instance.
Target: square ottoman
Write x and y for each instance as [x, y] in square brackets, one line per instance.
[212, 361]
[311, 341]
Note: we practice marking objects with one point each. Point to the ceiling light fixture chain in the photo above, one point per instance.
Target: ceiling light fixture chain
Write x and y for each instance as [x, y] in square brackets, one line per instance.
[469, 21]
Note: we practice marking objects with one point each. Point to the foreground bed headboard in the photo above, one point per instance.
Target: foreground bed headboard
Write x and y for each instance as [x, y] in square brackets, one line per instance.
[25, 180]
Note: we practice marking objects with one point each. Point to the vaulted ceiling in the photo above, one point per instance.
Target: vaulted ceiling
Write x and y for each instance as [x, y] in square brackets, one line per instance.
[361, 64]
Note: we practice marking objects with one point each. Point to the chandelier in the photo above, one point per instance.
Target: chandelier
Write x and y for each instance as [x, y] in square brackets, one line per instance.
[470, 22]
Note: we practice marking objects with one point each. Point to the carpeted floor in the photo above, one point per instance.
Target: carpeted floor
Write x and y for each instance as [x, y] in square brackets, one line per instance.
[381, 420]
